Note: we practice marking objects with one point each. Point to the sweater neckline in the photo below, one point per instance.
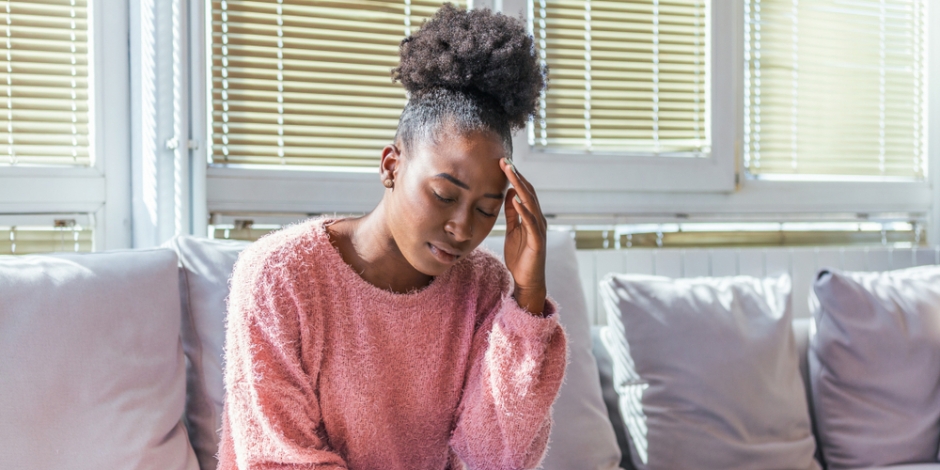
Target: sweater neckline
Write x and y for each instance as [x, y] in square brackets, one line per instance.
[353, 279]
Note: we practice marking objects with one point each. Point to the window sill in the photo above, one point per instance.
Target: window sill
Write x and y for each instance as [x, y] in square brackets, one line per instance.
[260, 191]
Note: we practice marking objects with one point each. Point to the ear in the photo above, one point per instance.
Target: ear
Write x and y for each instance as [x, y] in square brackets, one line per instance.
[391, 161]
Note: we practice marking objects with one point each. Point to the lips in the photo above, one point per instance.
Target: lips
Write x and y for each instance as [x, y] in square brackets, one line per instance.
[444, 255]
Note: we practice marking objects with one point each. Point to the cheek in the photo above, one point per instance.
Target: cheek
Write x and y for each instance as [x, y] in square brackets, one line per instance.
[485, 226]
[419, 212]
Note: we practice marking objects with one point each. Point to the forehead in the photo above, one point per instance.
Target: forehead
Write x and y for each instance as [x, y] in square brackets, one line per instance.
[474, 156]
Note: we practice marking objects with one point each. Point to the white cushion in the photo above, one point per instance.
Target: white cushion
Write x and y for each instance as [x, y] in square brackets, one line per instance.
[205, 268]
[707, 372]
[875, 367]
[582, 437]
[93, 373]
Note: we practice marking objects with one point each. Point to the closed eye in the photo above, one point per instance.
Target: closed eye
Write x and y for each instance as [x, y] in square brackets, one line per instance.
[486, 213]
[443, 199]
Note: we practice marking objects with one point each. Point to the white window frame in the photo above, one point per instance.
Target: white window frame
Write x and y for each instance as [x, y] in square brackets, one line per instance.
[98, 195]
[161, 146]
[663, 187]
[933, 118]
[580, 171]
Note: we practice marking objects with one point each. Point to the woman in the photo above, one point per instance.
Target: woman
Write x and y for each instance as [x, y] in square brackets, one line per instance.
[389, 341]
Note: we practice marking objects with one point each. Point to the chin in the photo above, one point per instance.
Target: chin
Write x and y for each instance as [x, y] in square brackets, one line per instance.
[431, 267]
[425, 263]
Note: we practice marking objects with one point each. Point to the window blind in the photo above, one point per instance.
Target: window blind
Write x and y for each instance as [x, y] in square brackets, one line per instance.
[44, 82]
[222, 232]
[898, 235]
[834, 87]
[22, 240]
[308, 83]
[623, 76]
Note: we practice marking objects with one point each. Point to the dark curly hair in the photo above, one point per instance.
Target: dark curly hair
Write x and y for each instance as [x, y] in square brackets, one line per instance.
[474, 70]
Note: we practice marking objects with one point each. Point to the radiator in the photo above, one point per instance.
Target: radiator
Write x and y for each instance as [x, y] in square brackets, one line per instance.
[801, 263]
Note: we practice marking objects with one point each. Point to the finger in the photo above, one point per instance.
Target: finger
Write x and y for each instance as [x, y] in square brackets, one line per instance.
[527, 194]
[512, 214]
[512, 173]
[529, 219]
[532, 208]
[525, 189]
[522, 181]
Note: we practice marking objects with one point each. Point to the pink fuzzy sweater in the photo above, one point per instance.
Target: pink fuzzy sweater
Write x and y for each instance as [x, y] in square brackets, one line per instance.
[326, 371]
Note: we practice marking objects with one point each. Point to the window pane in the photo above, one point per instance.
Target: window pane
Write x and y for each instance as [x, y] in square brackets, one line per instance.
[308, 83]
[835, 88]
[623, 76]
[44, 82]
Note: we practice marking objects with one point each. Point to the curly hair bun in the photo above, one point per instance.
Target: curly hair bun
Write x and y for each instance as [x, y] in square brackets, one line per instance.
[476, 52]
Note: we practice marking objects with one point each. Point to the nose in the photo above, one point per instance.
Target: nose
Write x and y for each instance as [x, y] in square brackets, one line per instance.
[460, 226]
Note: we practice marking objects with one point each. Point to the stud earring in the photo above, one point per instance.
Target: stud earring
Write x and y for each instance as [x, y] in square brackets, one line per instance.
[388, 183]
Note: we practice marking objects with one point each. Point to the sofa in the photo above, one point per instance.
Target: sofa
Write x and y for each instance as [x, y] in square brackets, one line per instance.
[114, 360]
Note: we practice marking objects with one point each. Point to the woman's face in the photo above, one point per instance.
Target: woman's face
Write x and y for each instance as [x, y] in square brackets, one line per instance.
[446, 197]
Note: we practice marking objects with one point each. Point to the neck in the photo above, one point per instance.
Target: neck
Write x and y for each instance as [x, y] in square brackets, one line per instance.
[366, 243]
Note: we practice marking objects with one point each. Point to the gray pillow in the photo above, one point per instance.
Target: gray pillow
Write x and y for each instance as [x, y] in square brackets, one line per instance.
[707, 372]
[875, 367]
[205, 268]
[92, 374]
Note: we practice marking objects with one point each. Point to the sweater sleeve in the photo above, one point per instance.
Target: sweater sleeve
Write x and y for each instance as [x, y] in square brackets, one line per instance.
[518, 362]
[272, 363]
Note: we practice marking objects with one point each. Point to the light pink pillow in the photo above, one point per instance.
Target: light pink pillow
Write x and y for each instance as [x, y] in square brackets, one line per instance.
[875, 367]
[92, 374]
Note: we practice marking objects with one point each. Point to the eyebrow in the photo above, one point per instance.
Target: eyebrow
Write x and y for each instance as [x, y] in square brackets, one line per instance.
[464, 185]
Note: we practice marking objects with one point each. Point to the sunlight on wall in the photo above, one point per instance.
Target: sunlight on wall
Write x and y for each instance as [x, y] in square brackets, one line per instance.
[630, 388]
[148, 111]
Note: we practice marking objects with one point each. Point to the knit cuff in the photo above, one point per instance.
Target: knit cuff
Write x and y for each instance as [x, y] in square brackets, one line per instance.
[519, 321]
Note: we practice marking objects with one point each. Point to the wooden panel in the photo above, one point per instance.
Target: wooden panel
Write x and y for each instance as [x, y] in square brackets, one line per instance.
[803, 272]
[879, 260]
[855, 259]
[697, 263]
[669, 263]
[828, 258]
[751, 262]
[901, 259]
[926, 256]
[587, 272]
[724, 262]
[639, 261]
[776, 262]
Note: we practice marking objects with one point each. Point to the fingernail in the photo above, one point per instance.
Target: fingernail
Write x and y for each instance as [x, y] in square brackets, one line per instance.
[516, 197]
